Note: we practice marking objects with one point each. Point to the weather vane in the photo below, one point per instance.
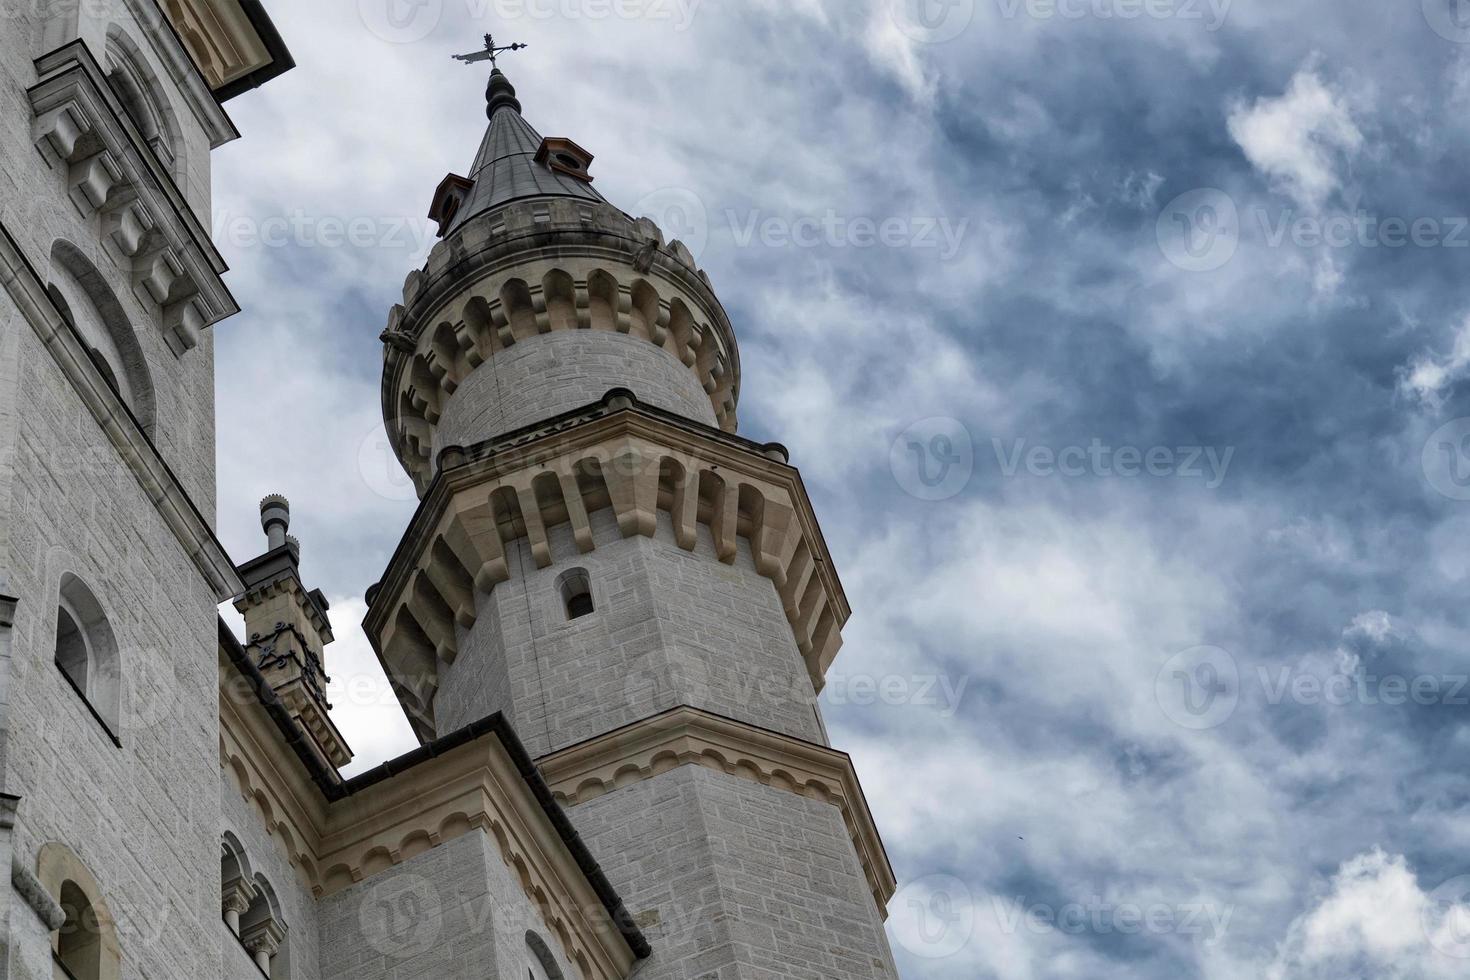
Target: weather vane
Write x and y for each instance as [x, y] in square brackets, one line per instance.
[491, 52]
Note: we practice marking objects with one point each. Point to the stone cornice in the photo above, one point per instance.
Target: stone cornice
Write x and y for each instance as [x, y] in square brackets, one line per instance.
[158, 482]
[473, 786]
[689, 736]
[233, 43]
[151, 230]
[649, 461]
[164, 37]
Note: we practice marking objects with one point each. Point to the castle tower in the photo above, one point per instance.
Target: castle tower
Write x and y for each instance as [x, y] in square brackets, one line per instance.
[645, 595]
[287, 629]
[110, 289]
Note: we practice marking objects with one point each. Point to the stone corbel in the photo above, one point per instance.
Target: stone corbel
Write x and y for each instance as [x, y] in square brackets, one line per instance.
[92, 181]
[175, 269]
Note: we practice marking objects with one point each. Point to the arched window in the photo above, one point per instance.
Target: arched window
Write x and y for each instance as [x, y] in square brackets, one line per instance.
[79, 940]
[541, 965]
[142, 98]
[86, 945]
[576, 593]
[86, 651]
[89, 307]
[263, 930]
[237, 884]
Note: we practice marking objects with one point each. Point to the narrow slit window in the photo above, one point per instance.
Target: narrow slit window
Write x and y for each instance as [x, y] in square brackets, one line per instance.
[576, 594]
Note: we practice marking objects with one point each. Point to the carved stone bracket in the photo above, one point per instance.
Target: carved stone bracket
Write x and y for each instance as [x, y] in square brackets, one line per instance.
[619, 455]
[149, 228]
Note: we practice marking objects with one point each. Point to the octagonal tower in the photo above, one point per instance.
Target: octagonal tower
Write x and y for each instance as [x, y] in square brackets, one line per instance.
[643, 593]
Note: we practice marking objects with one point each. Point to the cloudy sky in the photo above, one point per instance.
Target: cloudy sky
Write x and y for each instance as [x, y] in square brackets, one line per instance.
[1125, 348]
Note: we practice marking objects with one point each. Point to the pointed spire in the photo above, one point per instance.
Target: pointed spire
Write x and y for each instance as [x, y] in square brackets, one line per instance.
[511, 164]
[500, 94]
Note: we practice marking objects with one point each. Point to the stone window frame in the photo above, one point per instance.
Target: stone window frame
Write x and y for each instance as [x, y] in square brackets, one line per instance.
[251, 910]
[70, 263]
[100, 685]
[569, 585]
[145, 99]
[542, 958]
[63, 875]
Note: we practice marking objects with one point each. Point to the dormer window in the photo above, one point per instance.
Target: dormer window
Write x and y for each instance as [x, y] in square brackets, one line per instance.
[565, 157]
[451, 194]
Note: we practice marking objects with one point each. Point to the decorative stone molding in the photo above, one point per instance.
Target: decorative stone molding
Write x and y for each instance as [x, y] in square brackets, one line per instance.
[29, 887]
[263, 940]
[58, 864]
[289, 629]
[152, 232]
[473, 787]
[235, 898]
[689, 736]
[163, 489]
[590, 267]
[219, 34]
[634, 459]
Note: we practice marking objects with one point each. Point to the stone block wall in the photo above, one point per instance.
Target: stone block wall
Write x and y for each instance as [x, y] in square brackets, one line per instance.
[670, 627]
[144, 817]
[455, 912]
[36, 210]
[543, 376]
[733, 879]
[267, 857]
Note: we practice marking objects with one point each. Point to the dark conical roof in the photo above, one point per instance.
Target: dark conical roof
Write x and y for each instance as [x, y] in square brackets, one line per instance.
[505, 168]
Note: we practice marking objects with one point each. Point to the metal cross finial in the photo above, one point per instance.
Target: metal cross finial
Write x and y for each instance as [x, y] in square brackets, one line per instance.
[491, 52]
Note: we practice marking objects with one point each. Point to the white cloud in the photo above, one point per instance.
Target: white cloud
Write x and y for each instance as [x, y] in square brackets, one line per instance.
[1299, 139]
[890, 48]
[1428, 376]
[363, 705]
[1376, 922]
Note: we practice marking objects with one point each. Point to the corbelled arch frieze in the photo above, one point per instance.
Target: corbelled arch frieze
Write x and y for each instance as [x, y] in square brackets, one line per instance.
[634, 460]
[486, 289]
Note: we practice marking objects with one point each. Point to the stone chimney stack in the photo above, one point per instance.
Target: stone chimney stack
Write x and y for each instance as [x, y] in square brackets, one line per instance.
[286, 627]
[275, 520]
